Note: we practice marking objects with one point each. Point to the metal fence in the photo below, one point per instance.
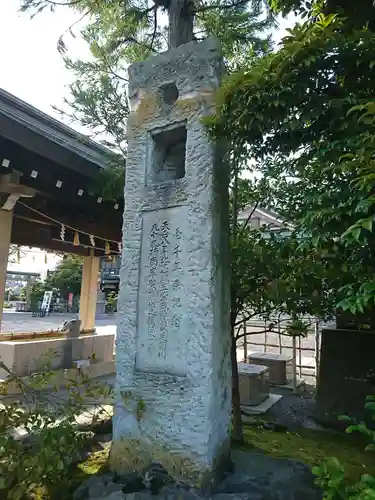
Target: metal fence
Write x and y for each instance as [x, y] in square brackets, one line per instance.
[257, 336]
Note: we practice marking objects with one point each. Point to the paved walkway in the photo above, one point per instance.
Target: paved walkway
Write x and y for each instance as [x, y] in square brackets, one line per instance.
[24, 322]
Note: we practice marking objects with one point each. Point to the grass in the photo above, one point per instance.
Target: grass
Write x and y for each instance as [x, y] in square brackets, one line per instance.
[313, 447]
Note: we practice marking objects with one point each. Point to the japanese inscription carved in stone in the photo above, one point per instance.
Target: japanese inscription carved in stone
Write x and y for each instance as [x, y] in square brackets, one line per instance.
[161, 293]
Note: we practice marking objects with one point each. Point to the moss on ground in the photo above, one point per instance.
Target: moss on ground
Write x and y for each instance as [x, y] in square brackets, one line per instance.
[97, 462]
[313, 447]
[308, 446]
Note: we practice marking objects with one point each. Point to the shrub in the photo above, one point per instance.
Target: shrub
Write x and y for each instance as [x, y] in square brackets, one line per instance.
[331, 474]
[52, 440]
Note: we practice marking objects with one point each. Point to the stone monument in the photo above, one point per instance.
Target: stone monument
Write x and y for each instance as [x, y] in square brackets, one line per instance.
[346, 375]
[173, 402]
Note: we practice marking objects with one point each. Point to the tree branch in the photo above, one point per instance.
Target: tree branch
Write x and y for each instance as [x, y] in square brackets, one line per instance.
[246, 319]
[131, 39]
[249, 217]
[66, 4]
[237, 337]
[270, 328]
[220, 7]
[61, 47]
[109, 67]
[155, 27]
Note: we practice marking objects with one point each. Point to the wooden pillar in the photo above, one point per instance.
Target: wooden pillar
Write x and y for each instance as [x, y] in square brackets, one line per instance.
[87, 304]
[6, 219]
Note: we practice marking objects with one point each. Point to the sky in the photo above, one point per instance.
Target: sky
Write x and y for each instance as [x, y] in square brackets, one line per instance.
[34, 260]
[31, 67]
[33, 70]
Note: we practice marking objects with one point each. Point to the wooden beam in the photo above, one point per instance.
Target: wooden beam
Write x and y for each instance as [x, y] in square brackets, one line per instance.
[11, 184]
[48, 173]
[27, 233]
[6, 221]
[46, 148]
[104, 225]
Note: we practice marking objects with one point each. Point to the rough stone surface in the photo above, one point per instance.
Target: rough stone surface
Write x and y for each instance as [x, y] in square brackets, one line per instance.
[295, 411]
[256, 477]
[118, 495]
[173, 352]
[270, 478]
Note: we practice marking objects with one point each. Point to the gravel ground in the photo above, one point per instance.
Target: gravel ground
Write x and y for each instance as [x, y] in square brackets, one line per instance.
[294, 411]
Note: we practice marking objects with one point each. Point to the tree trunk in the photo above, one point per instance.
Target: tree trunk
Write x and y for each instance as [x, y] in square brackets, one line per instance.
[237, 431]
[181, 20]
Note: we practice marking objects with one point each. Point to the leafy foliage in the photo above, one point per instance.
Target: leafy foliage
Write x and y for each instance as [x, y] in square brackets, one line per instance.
[274, 274]
[305, 115]
[269, 274]
[132, 31]
[67, 277]
[119, 33]
[35, 291]
[52, 441]
[331, 474]
[15, 254]
[64, 279]
[357, 14]
[111, 302]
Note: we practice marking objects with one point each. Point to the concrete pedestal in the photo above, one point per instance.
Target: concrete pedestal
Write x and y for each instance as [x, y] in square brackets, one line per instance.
[24, 357]
[173, 346]
[279, 365]
[253, 384]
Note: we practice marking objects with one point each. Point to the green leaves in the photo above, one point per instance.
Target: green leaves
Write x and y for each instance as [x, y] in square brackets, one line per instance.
[331, 475]
[355, 231]
[50, 421]
[316, 147]
[345, 418]
[331, 478]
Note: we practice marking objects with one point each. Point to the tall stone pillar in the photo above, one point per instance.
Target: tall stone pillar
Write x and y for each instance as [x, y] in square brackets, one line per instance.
[87, 302]
[6, 220]
[173, 343]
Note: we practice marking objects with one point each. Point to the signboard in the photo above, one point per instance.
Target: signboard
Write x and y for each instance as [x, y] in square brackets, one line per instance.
[46, 304]
[70, 299]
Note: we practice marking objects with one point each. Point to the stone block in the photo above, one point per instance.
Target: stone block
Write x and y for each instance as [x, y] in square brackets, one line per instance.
[172, 347]
[346, 375]
[253, 384]
[24, 357]
[280, 366]
[260, 477]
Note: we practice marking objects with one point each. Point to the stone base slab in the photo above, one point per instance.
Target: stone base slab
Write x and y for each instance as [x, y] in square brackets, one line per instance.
[262, 407]
[255, 476]
[289, 386]
[136, 456]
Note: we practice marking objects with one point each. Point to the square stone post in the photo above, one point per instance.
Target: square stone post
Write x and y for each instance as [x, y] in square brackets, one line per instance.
[87, 302]
[173, 342]
[6, 220]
